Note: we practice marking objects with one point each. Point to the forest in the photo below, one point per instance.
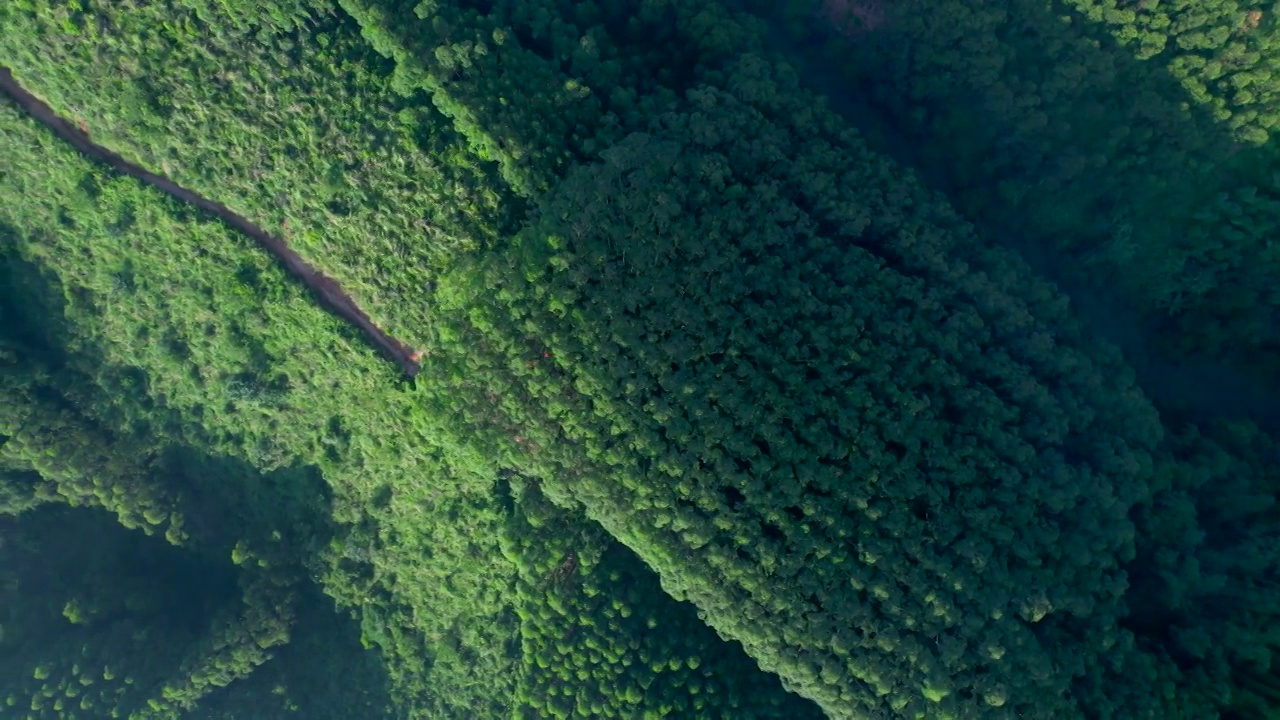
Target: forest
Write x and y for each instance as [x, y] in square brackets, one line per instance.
[527, 359]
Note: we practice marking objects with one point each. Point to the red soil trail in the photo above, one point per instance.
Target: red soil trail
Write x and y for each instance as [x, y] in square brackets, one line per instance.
[329, 292]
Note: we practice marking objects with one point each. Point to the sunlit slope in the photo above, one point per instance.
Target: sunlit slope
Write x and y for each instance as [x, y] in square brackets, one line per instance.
[288, 119]
[877, 451]
[199, 336]
[407, 200]
[293, 125]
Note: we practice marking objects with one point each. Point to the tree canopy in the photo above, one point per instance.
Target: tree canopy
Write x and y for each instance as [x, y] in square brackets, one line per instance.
[744, 391]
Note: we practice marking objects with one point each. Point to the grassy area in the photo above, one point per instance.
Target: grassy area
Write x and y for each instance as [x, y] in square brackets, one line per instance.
[297, 128]
[201, 339]
[197, 337]
[669, 304]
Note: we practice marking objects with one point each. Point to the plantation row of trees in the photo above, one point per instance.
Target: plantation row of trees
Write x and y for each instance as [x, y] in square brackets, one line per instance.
[198, 336]
[741, 293]
[875, 450]
[1128, 146]
[600, 639]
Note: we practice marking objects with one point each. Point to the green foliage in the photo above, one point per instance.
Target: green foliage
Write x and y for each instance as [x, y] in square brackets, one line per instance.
[537, 86]
[1121, 144]
[164, 625]
[1224, 54]
[746, 295]
[98, 617]
[431, 589]
[688, 259]
[1204, 584]
[298, 129]
[321, 673]
[167, 344]
[50, 451]
[500, 95]
[601, 640]
[876, 454]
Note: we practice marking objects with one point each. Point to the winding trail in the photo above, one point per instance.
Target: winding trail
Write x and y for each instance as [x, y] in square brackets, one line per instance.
[326, 289]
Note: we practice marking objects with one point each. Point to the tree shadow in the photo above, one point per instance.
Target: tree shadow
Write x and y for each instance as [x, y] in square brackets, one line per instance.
[574, 578]
[91, 605]
[28, 296]
[239, 526]
[323, 673]
[1098, 167]
[86, 582]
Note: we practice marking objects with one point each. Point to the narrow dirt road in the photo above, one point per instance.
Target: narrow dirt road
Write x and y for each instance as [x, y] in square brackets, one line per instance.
[329, 292]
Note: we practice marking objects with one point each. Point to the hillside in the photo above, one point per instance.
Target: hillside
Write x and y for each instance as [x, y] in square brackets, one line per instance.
[606, 360]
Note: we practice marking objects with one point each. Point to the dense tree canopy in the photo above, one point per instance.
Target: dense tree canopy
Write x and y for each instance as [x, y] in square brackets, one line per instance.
[1126, 144]
[737, 381]
[723, 413]
[419, 560]
[600, 639]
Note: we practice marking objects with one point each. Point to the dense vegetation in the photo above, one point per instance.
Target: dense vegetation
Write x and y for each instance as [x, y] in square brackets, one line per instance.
[1125, 145]
[687, 337]
[599, 639]
[433, 589]
[103, 620]
[668, 426]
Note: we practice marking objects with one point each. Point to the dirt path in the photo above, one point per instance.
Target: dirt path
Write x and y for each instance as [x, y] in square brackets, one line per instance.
[326, 289]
